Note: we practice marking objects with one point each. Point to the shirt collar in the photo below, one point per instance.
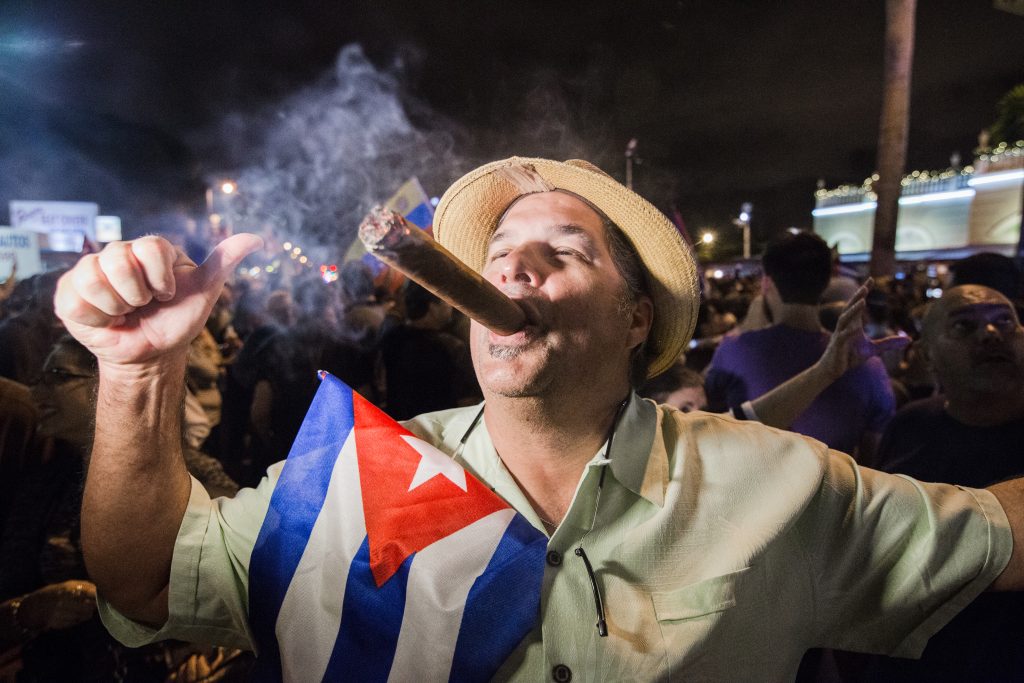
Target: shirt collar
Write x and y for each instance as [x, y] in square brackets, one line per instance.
[639, 461]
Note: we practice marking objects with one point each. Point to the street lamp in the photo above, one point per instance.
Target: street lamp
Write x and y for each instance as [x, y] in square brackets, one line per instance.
[223, 187]
[630, 153]
[218, 207]
[707, 244]
[743, 223]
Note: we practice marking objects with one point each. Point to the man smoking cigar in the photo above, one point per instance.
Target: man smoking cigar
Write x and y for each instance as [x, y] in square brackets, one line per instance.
[720, 549]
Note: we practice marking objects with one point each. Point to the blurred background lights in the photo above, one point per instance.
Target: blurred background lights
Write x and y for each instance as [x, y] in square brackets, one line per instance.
[329, 273]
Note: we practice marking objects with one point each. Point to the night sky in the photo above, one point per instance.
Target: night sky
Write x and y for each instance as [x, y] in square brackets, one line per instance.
[139, 107]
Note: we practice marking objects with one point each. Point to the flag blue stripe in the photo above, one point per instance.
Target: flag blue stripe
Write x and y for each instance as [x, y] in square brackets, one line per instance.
[421, 215]
[374, 263]
[371, 620]
[503, 604]
[294, 507]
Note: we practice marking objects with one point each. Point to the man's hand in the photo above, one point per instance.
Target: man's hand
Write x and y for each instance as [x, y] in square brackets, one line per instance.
[849, 346]
[135, 302]
[57, 606]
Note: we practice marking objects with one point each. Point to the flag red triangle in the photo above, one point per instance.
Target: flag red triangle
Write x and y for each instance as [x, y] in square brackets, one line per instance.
[400, 522]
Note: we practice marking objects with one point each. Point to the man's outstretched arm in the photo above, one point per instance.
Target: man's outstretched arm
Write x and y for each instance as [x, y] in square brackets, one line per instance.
[137, 305]
[1011, 496]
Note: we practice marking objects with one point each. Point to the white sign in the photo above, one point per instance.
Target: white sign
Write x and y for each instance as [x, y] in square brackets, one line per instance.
[19, 247]
[108, 228]
[65, 224]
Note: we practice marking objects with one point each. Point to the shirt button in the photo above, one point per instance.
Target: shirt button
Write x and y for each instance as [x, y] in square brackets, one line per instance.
[561, 673]
[554, 559]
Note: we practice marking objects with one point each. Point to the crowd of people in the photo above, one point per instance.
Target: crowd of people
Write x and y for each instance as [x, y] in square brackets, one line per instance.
[252, 373]
[949, 407]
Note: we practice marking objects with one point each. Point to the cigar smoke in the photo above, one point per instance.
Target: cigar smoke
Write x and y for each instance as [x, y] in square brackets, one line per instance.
[309, 164]
[329, 152]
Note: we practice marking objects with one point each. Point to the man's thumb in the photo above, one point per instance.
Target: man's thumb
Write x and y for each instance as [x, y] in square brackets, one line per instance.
[227, 255]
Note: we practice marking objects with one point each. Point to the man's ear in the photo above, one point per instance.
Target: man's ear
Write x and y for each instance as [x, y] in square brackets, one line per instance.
[640, 321]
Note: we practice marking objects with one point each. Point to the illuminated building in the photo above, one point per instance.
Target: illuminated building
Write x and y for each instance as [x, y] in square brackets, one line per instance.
[942, 214]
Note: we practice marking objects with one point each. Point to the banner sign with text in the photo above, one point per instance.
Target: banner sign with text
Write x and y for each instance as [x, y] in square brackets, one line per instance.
[63, 226]
[20, 248]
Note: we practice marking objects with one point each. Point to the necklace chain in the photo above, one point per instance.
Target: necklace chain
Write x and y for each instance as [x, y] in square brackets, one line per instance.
[547, 522]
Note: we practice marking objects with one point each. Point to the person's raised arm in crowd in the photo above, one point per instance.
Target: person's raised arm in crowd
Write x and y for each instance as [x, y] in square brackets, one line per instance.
[137, 306]
[847, 348]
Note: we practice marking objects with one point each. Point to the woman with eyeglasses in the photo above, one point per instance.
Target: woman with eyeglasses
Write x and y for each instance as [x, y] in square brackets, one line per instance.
[49, 605]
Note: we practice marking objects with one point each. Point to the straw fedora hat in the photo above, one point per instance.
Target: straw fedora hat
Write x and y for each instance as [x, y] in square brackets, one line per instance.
[469, 212]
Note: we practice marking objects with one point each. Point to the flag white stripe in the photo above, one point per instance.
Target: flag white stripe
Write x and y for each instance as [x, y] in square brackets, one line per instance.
[310, 616]
[440, 578]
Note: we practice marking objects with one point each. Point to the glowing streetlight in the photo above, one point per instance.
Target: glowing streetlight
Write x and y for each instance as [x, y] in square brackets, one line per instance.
[219, 196]
[743, 223]
[707, 238]
[630, 154]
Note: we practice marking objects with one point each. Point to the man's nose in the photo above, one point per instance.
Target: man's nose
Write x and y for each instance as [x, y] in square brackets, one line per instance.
[991, 332]
[520, 266]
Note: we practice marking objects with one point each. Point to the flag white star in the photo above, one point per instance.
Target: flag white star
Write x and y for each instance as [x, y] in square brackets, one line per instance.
[432, 463]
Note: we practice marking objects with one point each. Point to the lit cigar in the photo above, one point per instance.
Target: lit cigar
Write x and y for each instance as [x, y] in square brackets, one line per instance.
[389, 237]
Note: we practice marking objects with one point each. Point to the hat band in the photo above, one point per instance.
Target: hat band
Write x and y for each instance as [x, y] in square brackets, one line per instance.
[525, 178]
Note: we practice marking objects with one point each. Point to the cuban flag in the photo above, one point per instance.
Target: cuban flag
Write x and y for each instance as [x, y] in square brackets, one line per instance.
[412, 202]
[380, 558]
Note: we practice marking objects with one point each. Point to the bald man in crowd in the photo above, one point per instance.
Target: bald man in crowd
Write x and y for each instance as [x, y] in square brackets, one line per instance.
[972, 434]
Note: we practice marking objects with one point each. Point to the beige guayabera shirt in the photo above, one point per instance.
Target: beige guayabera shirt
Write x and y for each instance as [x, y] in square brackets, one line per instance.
[723, 549]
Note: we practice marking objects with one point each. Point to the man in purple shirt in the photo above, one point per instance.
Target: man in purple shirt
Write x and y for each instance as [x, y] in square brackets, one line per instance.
[848, 416]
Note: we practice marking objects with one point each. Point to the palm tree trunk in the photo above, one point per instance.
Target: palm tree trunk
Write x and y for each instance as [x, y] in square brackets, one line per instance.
[893, 130]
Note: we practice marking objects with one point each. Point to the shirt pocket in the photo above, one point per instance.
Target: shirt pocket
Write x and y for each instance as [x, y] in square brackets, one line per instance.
[720, 629]
[709, 596]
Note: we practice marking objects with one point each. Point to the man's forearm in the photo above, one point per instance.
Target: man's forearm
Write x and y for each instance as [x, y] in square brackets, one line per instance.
[783, 404]
[1011, 496]
[137, 487]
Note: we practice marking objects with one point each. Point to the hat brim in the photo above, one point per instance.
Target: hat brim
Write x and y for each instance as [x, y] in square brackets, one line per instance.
[469, 211]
